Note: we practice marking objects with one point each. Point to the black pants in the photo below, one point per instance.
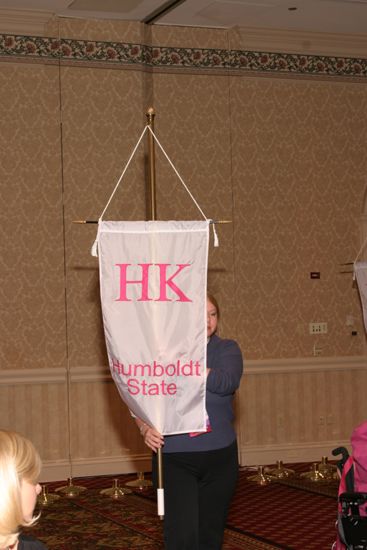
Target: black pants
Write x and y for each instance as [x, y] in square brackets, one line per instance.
[198, 488]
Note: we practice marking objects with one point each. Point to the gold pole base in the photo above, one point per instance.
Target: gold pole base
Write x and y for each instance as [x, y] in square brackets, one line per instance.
[261, 478]
[116, 492]
[45, 498]
[140, 482]
[314, 475]
[281, 472]
[329, 471]
[70, 490]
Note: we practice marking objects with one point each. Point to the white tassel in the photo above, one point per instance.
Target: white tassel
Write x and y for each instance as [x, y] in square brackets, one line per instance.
[216, 240]
[94, 249]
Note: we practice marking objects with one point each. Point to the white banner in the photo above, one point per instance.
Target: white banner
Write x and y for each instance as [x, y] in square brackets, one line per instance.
[360, 270]
[153, 293]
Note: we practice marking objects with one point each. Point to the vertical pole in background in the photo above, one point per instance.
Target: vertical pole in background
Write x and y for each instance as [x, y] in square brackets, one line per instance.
[153, 216]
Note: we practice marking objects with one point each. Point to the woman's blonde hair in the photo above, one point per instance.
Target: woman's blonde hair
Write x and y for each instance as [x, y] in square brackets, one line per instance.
[19, 461]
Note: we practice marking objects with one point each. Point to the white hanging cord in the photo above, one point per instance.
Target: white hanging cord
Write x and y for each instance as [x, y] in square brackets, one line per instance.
[360, 250]
[94, 250]
[123, 173]
[177, 174]
[359, 253]
[216, 240]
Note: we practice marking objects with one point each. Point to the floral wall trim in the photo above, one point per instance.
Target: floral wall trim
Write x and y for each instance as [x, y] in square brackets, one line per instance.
[119, 53]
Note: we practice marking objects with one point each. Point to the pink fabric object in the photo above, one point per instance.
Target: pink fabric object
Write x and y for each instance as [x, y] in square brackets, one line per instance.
[338, 544]
[208, 428]
[357, 461]
[343, 485]
[359, 453]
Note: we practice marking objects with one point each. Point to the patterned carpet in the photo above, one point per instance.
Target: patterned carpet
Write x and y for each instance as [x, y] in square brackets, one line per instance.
[289, 517]
[271, 517]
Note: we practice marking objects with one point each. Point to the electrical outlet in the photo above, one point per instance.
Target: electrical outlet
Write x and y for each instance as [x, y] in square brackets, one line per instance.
[317, 350]
[318, 328]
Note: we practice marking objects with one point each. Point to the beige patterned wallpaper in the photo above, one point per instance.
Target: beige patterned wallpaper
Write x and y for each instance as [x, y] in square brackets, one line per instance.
[32, 248]
[299, 176]
[102, 118]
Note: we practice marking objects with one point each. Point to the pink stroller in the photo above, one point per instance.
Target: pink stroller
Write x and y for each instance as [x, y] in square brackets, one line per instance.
[352, 494]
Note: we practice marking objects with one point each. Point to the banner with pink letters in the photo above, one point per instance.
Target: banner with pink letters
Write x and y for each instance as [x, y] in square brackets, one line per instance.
[360, 270]
[153, 293]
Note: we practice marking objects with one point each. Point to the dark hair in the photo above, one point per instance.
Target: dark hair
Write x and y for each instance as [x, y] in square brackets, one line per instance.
[211, 299]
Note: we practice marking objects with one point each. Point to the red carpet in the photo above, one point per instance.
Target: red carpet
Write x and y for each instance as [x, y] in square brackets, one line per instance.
[269, 517]
[288, 518]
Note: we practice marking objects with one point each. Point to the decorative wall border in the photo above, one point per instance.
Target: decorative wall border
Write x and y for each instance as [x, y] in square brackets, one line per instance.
[119, 54]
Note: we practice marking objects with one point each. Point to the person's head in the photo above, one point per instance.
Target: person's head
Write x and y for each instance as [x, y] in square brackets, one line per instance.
[20, 467]
[213, 314]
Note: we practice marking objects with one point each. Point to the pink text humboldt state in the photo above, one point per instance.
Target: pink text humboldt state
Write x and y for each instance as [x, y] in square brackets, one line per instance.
[162, 273]
[136, 375]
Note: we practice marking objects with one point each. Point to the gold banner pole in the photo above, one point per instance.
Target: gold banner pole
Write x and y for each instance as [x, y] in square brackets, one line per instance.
[219, 222]
[150, 114]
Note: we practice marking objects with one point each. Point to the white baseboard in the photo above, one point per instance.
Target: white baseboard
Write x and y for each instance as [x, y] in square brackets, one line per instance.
[59, 470]
[248, 456]
[308, 452]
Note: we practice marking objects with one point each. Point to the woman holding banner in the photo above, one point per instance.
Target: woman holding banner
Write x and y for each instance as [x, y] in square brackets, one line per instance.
[200, 470]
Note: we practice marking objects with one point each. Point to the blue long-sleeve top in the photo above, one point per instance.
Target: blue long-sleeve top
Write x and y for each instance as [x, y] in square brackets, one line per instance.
[224, 358]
